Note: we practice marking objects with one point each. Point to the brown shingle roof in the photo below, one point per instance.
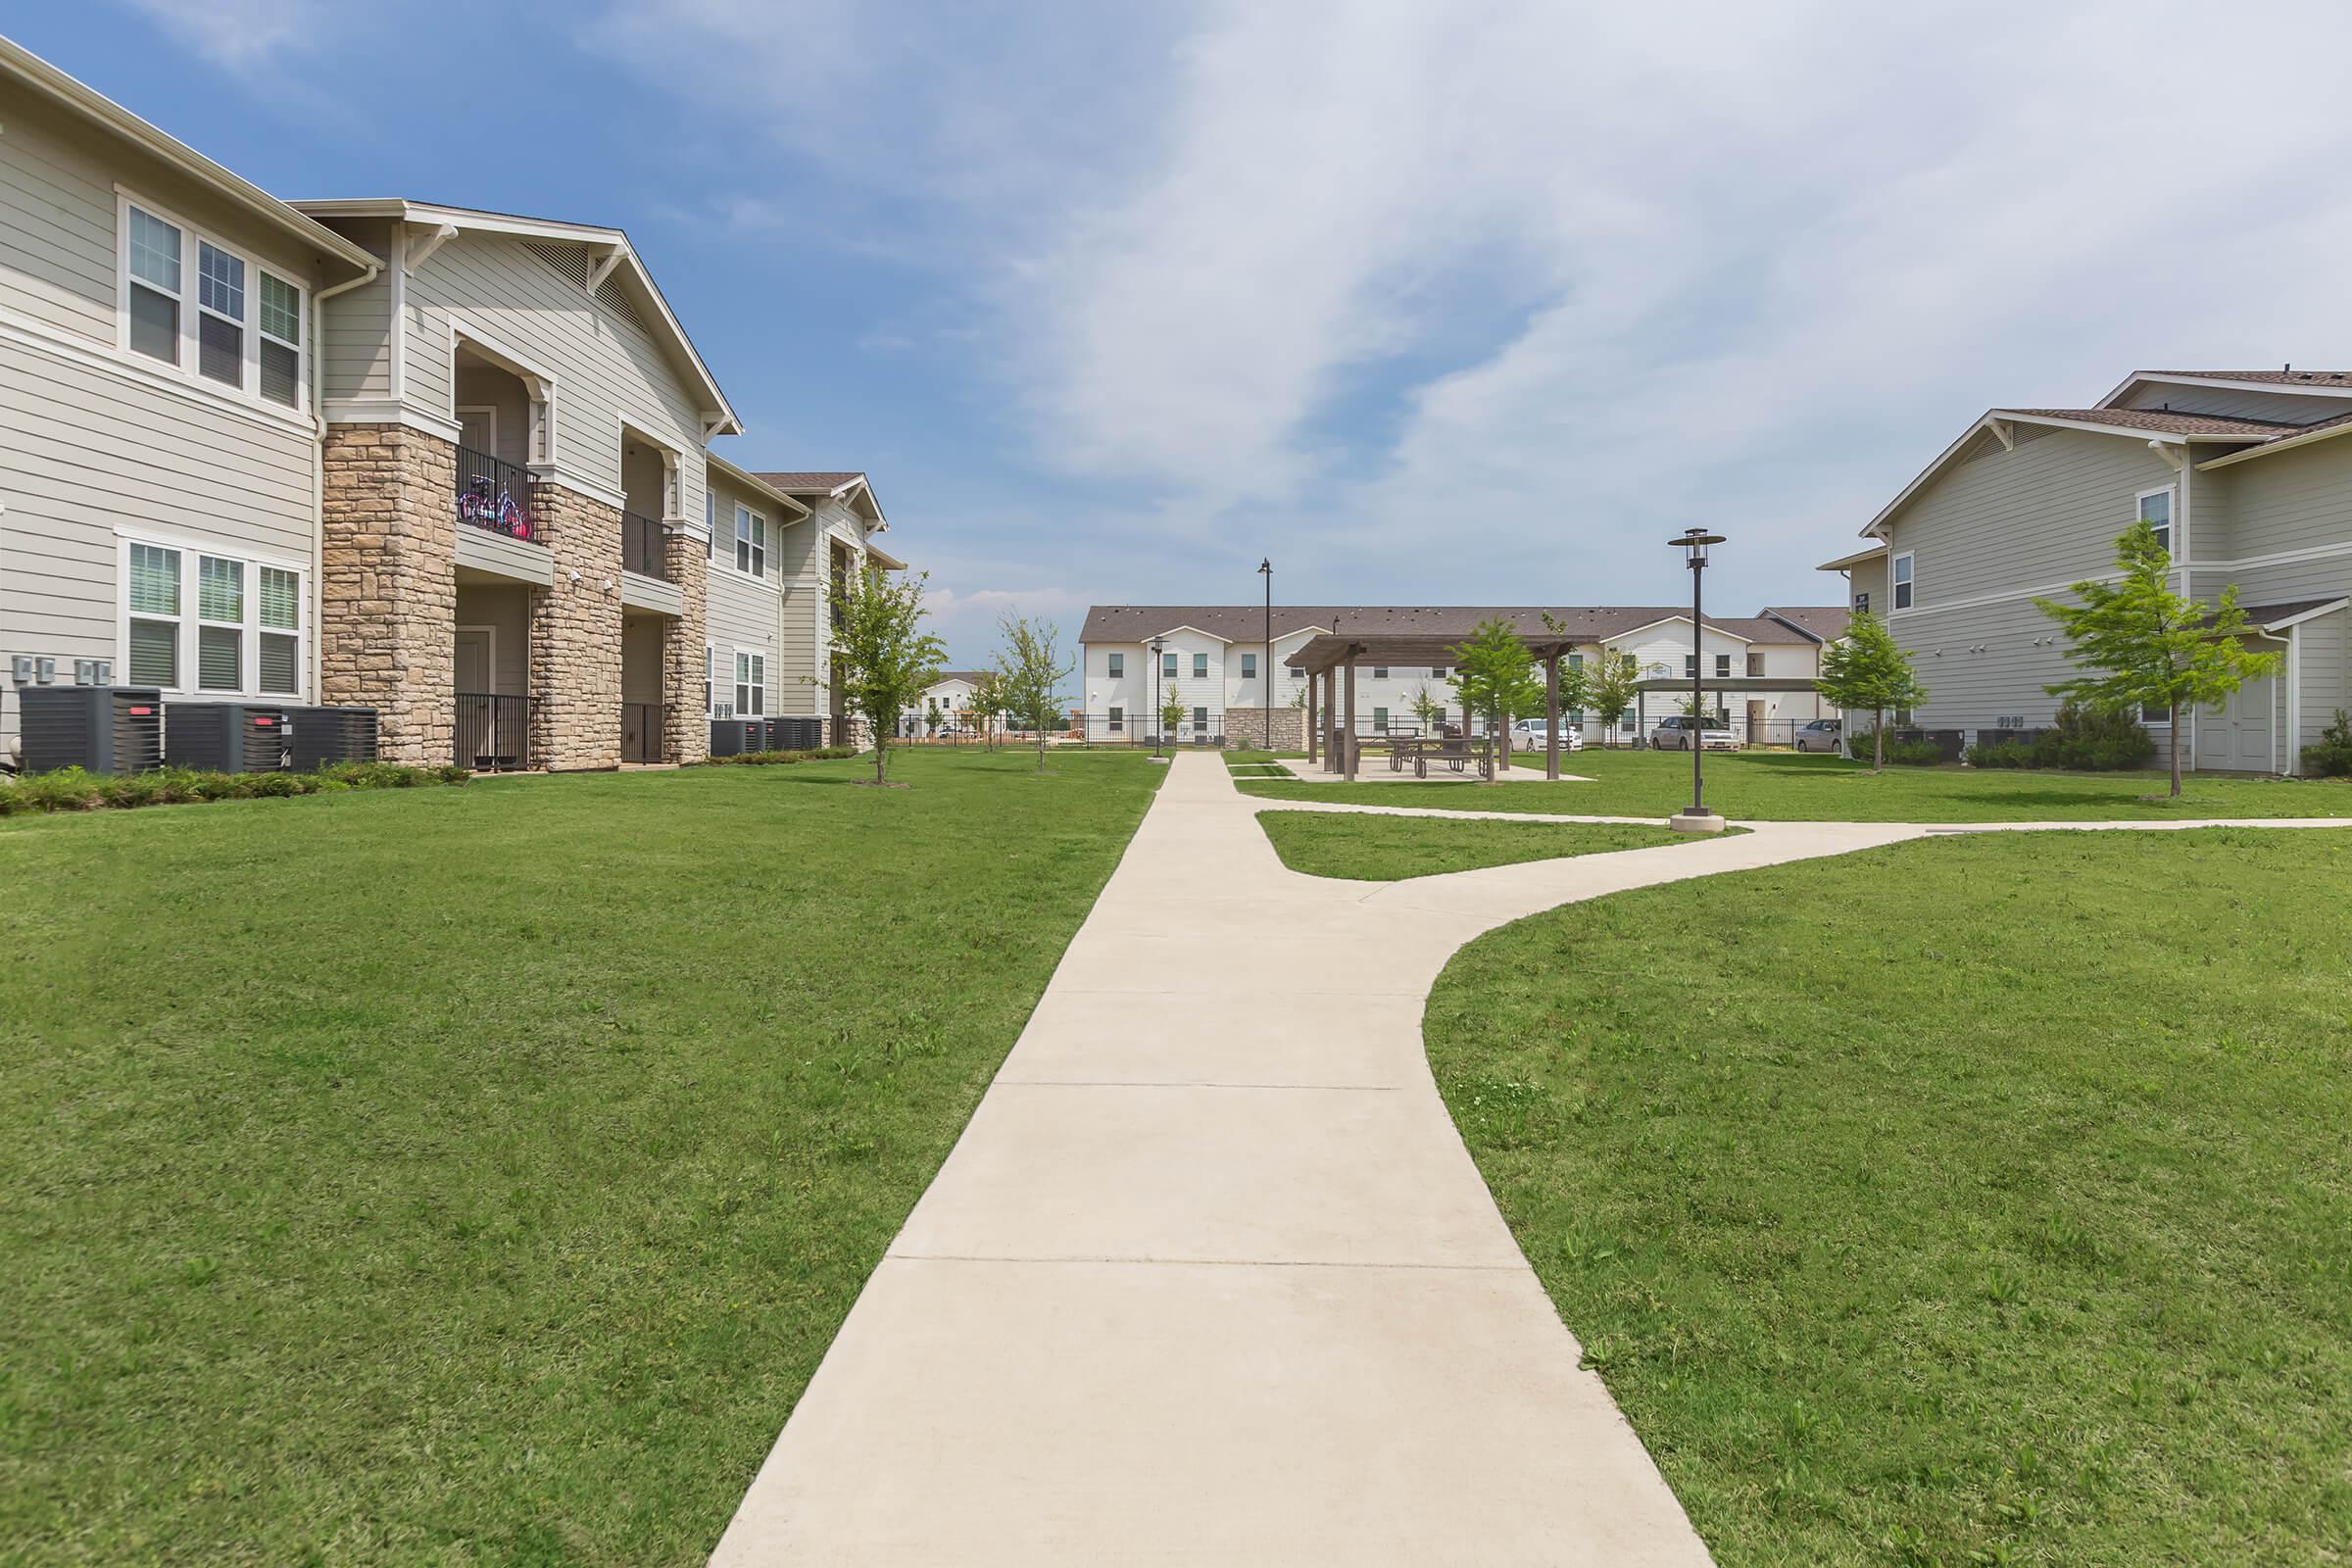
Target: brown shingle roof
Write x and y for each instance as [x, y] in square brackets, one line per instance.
[2166, 422]
[2342, 378]
[1826, 622]
[1246, 624]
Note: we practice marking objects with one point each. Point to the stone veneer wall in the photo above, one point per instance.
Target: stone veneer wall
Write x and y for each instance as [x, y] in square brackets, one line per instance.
[1247, 726]
[575, 633]
[387, 588]
[686, 727]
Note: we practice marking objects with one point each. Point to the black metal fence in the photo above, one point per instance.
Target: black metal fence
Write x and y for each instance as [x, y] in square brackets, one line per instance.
[641, 732]
[494, 496]
[641, 549]
[493, 732]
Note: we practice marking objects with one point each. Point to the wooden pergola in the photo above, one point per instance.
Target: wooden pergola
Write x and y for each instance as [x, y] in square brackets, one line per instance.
[1329, 663]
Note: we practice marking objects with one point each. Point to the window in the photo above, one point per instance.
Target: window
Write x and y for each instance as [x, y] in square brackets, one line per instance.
[211, 624]
[1437, 715]
[709, 668]
[1690, 666]
[153, 260]
[1379, 720]
[751, 685]
[1437, 673]
[1118, 720]
[1199, 666]
[280, 343]
[239, 328]
[153, 640]
[1575, 661]
[750, 542]
[277, 612]
[1167, 666]
[2155, 714]
[1755, 663]
[1118, 666]
[1248, 666]
[1902, 581]
[1379, 673]
[220, 624]
[1722, 665]
[1200, 720]
[2156, 510]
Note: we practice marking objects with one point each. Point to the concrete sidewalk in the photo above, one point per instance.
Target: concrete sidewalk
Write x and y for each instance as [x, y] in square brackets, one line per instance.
[1211, 1277]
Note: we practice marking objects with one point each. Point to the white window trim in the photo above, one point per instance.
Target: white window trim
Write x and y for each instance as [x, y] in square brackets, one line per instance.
[710, 679]
[491, 409]
[251, 629]
[744, 661]
[248, 389]
[2172, 515]
[765, 536]
[1114, 667]
[1895, 585]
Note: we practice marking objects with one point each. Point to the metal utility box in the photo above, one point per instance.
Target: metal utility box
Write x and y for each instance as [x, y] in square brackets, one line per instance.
[798, 734]
[225, 737]
[324, 735]
[733, 737]
[107, 729]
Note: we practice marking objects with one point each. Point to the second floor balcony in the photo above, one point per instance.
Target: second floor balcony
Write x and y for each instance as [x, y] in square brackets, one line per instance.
[642, 546]
[494, 495]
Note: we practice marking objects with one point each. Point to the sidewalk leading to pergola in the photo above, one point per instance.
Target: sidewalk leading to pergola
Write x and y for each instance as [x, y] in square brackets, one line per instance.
[1329, 663]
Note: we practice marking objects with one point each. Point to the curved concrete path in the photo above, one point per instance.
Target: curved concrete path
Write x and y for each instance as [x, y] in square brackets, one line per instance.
[1211, 1277]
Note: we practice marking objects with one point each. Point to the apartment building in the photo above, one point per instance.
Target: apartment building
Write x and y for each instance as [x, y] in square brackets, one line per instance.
[450, 464]
[1211, 660]
[2243, 476]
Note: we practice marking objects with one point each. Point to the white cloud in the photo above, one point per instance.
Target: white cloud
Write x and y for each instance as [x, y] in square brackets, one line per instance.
[241, 35]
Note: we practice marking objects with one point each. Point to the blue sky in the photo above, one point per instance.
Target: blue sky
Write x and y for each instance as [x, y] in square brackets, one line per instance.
[1432, 303]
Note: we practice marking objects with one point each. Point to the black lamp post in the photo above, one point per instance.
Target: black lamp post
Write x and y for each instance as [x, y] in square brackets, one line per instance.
[1693, 542]
[1265, 569]
[1156, 724]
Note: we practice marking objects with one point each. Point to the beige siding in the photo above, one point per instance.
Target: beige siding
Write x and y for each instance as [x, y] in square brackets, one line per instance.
[2044, 515]
[607, 369]
[2324, 682]
[800, 664]
[2297, 499]
[742, 610]
[357, 337]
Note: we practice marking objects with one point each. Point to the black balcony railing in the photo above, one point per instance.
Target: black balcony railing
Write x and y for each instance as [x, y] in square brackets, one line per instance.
[641, 732]
[494, 732]
[641, 550]
[494, 496]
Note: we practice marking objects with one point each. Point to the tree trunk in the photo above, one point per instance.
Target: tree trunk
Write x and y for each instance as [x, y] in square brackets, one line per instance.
[881, 755]
[1878, 739]
[2176, 749]
[1041, 751]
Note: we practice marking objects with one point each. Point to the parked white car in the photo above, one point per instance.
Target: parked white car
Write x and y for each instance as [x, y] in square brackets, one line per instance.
[1822, 735]
[1532, 734]
[1679, 732]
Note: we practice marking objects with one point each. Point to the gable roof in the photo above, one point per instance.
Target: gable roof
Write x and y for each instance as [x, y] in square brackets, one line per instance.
[23, 66]
[1246, 624]
[2284, 379]
[758, 486]
[847, 484]
[618, 252]
[2168, 422]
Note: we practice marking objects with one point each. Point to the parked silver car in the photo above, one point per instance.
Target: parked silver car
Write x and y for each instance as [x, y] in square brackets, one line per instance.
[1535, 734]
[1680, 732]
[1822, 735]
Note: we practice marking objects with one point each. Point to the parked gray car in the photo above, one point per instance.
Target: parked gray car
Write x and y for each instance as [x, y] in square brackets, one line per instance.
[1822, 735]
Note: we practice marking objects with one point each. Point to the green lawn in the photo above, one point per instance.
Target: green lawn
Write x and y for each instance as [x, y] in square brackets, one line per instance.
[477, 1175]
[1387, 849]
[1980, 1200]
[1786, 787]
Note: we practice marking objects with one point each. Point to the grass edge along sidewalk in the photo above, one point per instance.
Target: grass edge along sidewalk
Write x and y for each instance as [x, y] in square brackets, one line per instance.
[1369, 846]
[1784, 786]
[1975, 1199]
[480, 1174]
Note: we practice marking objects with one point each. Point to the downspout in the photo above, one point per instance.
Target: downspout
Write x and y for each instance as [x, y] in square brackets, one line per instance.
[318, 301]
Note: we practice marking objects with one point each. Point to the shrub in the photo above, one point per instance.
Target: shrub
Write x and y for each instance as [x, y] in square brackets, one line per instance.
[71, 789]
[2000, 754]
[1906, 754]
[2096, 740]
[822, 754]
[2332, 756]
[68, 789]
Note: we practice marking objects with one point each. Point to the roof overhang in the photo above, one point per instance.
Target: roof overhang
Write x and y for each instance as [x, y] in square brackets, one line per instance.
[1333, 649]
[617, 256]
[2282, 444]
[1727, 683]
[2162, 379]
[1667, 620]
[887, 561]
[1993, 419]
[2329, 607]
[20, 64]
[1862, 557]
[758, 486]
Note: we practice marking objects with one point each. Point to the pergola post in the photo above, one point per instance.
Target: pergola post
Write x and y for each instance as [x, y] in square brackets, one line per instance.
[1310, 722]
[1348, 734]
[1333, 746]
[1551, 717]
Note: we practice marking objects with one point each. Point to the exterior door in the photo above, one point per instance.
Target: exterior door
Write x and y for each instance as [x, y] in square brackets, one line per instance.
[472, 659]
[477, 429]
[2236, 736]
[476, 714]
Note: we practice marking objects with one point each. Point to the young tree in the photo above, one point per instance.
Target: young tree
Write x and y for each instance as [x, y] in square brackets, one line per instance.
[1867, 670]
[1494, 675]
[2150, 647]
[1425, 708]
[1610, 690]
[1171, 713]
[887, 658]
[987, 701]
[1029, 673]
[931, 715]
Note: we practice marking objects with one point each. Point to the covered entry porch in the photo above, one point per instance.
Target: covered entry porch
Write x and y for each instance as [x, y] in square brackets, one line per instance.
[1335, 731]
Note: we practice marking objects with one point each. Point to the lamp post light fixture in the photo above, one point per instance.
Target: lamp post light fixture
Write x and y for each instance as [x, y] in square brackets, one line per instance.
[1265, 569]
[1697, 818]
[1158, 724]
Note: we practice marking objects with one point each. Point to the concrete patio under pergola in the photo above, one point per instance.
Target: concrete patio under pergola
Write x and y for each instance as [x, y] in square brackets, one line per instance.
[1329, 663]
